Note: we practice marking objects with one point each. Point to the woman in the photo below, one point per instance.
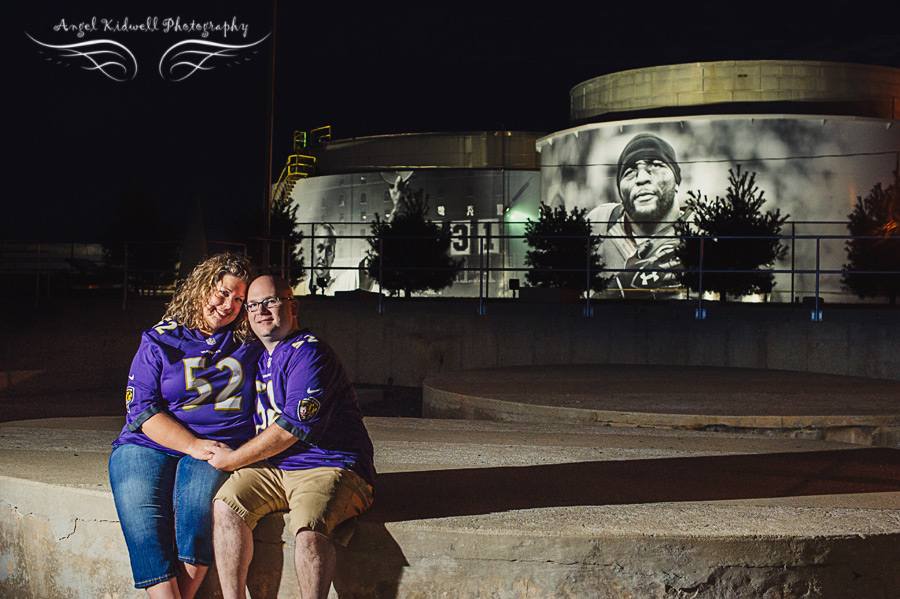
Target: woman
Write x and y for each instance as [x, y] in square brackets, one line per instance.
[191, 385]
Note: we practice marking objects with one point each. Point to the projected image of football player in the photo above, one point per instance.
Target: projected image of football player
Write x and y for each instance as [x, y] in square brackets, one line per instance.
[398, 189]
[639, 231]
[312, 456]
[191, 385]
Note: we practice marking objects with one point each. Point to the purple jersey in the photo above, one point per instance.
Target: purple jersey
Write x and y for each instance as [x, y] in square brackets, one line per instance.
[303, 388]
[205, 383]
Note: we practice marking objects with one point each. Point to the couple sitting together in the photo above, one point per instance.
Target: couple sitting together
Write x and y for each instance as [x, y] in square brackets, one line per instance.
[233, 412]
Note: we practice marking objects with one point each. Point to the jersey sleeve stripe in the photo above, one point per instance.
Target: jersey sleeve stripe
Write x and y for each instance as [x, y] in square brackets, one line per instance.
[300, 434]
[135, 425]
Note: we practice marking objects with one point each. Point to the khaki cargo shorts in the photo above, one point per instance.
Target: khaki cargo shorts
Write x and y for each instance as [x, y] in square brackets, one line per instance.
[326, 500]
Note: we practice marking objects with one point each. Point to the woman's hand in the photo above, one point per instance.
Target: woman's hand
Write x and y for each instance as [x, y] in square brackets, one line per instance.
[201, 449]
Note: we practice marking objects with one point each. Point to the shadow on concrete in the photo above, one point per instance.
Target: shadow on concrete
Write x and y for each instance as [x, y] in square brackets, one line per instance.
[405, 496]
[265, 575]
[372, 565]
[389, 400]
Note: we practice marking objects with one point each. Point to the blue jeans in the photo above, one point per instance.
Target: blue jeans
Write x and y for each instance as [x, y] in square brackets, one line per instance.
[165, 507]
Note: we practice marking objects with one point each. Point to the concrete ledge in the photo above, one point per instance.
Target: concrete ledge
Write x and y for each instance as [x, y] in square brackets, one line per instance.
[480, 509]
[764, 402]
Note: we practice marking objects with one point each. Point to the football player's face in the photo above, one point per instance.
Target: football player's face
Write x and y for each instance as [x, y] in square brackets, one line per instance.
[648, 190]
[270, 324]
[224, 304]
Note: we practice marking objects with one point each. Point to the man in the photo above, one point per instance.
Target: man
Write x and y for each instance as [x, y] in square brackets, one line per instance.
[324, 280]
[312, 455]
[638, 231]
[326, 241]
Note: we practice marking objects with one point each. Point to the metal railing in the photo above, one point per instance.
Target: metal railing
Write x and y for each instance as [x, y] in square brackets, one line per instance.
[486, 274]
[483, 270]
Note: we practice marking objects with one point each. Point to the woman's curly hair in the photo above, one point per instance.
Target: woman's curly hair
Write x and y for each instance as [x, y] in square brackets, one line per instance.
[186, 306]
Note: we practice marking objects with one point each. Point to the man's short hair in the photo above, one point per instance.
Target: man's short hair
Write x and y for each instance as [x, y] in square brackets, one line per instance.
[646, 146]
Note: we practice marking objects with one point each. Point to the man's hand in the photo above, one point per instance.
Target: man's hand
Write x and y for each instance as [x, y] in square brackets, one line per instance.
[270, 442]
[220, 457]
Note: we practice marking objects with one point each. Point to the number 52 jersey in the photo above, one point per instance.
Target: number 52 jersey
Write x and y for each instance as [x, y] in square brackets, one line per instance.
[204, 383]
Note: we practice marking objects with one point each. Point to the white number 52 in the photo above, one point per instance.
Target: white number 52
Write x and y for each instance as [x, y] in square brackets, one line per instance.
[224, 400]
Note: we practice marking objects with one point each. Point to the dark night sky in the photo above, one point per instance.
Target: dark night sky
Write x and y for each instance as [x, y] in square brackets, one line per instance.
[77, 143]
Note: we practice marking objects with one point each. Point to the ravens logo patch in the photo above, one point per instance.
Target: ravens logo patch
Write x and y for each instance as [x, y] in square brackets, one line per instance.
[129, 396]
[307, 409]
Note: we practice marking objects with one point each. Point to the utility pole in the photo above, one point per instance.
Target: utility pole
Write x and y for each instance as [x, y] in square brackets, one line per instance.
[267, 218]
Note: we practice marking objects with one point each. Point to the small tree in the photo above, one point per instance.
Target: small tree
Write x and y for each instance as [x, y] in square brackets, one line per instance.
[738, 214]
[877, 216]
[410, 253]
[283, 224]
[562, 250]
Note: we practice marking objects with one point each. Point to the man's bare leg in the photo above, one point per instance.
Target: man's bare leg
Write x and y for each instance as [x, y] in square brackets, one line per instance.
[233, 543]
[314, 559]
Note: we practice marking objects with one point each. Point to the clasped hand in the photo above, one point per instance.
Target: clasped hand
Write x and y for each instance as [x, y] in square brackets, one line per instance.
[214, 452]
[219, 456]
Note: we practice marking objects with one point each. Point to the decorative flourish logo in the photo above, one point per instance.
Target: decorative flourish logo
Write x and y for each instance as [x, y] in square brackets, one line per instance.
[185, 58]
[179, 61]
[107, 56]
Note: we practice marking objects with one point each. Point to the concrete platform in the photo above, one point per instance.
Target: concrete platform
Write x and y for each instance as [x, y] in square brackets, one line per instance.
[506, 510]
[768, 402]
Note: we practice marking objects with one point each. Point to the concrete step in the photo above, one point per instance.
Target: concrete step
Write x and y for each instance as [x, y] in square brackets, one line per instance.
[470, 509]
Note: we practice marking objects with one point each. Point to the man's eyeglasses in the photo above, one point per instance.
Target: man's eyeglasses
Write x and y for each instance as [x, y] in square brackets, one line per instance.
[270, 303]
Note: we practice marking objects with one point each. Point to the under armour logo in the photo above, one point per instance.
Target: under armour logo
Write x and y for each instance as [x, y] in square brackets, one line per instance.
[646, 278]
